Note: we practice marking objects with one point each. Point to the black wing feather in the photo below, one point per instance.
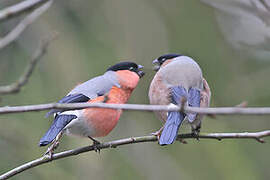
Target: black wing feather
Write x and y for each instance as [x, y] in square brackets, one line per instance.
[72, 98]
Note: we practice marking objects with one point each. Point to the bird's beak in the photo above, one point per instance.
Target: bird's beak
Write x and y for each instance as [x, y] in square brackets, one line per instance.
[140, 66]
[140, 72]
[155, 61]
[156, 65]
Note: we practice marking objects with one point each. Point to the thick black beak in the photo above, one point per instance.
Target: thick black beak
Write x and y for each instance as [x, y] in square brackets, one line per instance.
[140, 72]
[156, 65]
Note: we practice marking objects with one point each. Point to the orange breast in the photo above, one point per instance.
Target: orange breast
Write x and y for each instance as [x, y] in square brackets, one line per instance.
[103, 120]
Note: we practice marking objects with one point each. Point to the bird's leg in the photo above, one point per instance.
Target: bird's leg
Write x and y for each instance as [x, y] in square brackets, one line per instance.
[95, 144]
[54, 145]
[158, 132]
[196, 131]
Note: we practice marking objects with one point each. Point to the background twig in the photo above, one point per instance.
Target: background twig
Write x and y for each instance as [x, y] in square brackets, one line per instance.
[20, 8]
[23, 79]
[132, 140]
[15, 33]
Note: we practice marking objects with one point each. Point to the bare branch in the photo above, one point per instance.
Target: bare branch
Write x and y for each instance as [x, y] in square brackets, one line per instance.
[265, 4]
[15, 33]
[132, 140]
[258, 136]
[20, 8]
[16, 86]
[139, 107]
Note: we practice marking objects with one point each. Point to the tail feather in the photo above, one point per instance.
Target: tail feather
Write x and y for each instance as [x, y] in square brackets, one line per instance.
[174, 119]
[57, 126]
[171, 127]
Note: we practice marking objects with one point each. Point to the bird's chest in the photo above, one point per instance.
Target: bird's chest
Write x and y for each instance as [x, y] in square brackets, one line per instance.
[159, 92]
[103, 120]
[118, 95]
[159, 95]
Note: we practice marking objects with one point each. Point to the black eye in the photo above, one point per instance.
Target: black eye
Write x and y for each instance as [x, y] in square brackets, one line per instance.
[161, 61]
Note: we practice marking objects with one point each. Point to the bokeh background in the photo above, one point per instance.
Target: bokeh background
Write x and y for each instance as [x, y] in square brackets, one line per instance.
[96, 34]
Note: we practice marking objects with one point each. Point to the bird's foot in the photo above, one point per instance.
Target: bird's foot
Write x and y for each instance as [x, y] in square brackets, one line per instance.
[96, 144]
[51, 148]
[158, 133]
[54, 145]
[195, 133]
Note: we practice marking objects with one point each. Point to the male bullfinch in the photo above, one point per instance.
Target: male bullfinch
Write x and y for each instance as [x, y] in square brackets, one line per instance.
[178, 77]
[114, 86]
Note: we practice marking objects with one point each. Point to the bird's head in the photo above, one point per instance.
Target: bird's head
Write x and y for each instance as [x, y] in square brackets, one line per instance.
[160, 60]
[131, 66]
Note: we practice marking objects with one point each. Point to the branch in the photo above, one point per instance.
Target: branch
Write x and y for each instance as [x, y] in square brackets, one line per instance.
[132, 140]
[139, 107]
[20, 8]
[29, 19]
[265, 4]
[23, 79]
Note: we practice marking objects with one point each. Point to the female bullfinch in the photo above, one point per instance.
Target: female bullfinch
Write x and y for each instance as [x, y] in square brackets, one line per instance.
[178, 77]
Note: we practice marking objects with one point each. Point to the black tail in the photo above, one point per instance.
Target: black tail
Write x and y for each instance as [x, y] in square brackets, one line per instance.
[57, 126]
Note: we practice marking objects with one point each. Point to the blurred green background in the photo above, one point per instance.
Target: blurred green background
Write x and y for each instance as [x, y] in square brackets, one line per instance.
[96, 34]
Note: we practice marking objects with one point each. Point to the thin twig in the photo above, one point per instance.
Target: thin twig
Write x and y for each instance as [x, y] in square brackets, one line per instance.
[20, 8]
[132, 140]
[265, 4]
[23, 79]
[139, 107]
[29, 19]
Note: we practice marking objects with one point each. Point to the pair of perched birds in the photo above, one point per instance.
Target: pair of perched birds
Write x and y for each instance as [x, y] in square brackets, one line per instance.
[178, 78]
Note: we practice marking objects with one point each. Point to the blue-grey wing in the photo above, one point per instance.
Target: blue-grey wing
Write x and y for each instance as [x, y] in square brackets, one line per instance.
[90, 89]
[97, 86]
[194, 98]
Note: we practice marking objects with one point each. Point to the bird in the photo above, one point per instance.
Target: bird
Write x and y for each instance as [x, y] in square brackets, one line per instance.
[114, 86]
[178, 80]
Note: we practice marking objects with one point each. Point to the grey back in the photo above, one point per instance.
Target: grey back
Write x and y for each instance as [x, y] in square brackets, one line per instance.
[97, 86]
